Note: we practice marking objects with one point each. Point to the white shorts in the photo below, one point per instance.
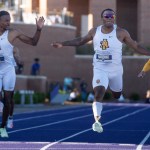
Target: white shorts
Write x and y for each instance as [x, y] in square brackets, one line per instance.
[111, 79]
[8, 79]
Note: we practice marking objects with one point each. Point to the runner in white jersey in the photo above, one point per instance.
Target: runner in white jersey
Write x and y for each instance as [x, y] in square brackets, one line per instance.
[107, 60]
[16, 61]
[7, 62]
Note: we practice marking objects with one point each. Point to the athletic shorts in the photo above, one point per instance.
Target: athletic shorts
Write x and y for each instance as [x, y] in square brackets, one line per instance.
[111, 79]
[7, 79]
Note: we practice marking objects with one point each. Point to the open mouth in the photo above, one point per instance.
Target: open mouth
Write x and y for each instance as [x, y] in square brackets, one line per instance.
[109, 22]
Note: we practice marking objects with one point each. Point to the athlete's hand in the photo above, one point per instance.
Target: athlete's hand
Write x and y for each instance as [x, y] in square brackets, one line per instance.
[141, 74]
[57, 45]
[40, 22]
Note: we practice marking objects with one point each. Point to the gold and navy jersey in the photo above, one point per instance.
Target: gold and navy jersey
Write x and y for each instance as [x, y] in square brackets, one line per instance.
[108, 50]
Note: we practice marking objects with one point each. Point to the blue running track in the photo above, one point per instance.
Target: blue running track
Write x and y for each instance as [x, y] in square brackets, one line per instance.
[126, 127]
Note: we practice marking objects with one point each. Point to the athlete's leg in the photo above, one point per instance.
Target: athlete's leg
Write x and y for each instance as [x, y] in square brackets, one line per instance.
[100, 84]
[116, 83]
[10, 118]
[9, 79]
[1, 102]
[99, 92]
[11, 105]
[1, 98]
[6, 109]
[116, 95]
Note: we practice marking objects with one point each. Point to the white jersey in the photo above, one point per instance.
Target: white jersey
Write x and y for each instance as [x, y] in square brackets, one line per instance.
[7, 63]
[108, 51]
[6, 53]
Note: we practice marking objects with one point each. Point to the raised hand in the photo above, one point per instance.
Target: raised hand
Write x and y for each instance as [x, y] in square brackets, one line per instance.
[57, 44]
[40, 22]
[141, 74]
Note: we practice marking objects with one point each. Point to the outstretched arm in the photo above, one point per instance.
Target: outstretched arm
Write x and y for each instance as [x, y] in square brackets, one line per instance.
[133, 44]
[77, 41]
[32, 40]
[145, 69]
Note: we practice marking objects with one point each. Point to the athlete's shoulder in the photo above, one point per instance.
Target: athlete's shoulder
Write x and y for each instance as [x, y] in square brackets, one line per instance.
[121, 31]
[14, 31]
[92, 31]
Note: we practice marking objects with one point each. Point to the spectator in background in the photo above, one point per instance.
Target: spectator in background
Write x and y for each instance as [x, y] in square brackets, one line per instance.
[55, 18]
[64, 14]
[58, 19]
[35, 70]
[68, 84]
[83, 88]
[61, 91]
[74, 95]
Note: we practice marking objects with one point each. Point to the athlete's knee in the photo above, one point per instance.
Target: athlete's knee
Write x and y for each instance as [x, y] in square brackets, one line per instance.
[99, 93]
[7, 99]
[116, 95]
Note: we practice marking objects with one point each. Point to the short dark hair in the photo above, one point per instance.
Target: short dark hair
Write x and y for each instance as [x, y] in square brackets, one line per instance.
[108, 9]
[3, 13]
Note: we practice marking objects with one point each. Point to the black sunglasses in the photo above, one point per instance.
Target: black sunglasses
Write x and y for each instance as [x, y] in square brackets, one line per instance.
[109, 16]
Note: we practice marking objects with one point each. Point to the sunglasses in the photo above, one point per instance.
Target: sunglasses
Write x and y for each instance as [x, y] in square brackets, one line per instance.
[109, 16]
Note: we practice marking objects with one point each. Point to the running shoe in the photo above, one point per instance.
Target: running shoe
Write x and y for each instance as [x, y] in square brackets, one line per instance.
[3, 132]
[10, 123]
[1, 106]
[97, 127]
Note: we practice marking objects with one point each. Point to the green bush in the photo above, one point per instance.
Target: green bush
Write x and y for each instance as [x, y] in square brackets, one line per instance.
[27, 99]
[134, 96]
[37, 98]
[17, 97]
[108, 96]
[127, 51]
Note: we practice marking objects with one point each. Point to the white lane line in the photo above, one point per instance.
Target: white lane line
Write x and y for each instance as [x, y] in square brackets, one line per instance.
[139, 147]
[60, 113]
[52, 109]
[50, 149]
[48, 115]
[62, 121]
[19, 148]
[16, 142]
[127, 104]
[109, 122]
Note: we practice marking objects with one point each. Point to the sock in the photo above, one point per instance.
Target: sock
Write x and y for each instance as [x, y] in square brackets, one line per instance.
[97, 109]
